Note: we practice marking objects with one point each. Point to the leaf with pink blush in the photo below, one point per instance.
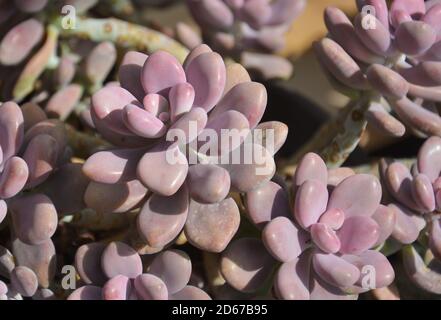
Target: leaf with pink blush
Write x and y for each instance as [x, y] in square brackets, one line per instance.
[171, 169]
[325, 238]
[310, 202]
[113, 166]
[433, 17]
[160, 72]
[156, 104]
[190, 293]
[357, 234]
[284, 240]
[255, 12]
[41, 156]
[292, 279]
[99, 62]
[377, 39]
[20, 40]
[414, 37]
[207, 74]
[423, 193]
[399, 182]
[386, 81]
[385, 218]
[435, 238]
[11, 129]
[210, 227]
[117, 288]
[63, 102]
[87, 292]
[335, 270]
[120, 259]
[408, 224]
[425, 73]
[162, 218]
[52, 127]
[379, 118]
[118, 197]
[142, 123]
[267, 203]
[321, 290]
[88, 263]
[32, 114]
[188, 127]
[108, 104]
[359, 194]
[414, 8]
[200, 49]
[235, 74]
[337, 175]
[248, 98]
[429, 158]
[310, 167]
[333, 218]
[173, 267]
[208, 183]
[181, 97]
[381, 9]
[150, 287]
[129, 73]
[13, 178]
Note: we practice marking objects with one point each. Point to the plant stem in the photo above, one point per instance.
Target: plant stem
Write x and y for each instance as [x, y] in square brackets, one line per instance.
[124, 34]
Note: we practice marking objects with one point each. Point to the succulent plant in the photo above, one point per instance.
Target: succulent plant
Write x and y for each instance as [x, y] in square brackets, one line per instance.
[320, 247]
[115, 272]
[415, 199]
[158, 101]
[249, 31]
[391, 53]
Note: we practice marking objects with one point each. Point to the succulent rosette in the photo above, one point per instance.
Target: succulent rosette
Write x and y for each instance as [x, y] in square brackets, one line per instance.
[322, 246]
[157, 117]
[415, 197]
[391, 53]
[34, 157]
[249, 30]
[115, 271]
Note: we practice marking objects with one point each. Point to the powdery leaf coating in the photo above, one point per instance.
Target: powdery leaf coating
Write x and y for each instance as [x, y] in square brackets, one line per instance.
[87, 292]
[117, 288]
[150, 287]
[190, 293]
[24, 281]
[211, 227]
[88, 263]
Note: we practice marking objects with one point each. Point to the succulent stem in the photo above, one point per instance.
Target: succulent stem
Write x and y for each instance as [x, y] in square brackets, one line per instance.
[124, 34]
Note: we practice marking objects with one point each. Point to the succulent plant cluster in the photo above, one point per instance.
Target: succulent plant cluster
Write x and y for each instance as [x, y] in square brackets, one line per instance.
[392, 54]
[149, 173]
[249, 31]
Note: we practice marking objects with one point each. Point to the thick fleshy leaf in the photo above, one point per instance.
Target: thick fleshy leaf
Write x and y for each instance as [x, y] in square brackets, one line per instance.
[208, 183]
[335, 270]
[292, 279]
[425, 73]
[99, 62]
[386, 219]
[63, 102]
[160, 72]
[181, 97]
[211, 227]
[321, 290]
[200, 49]
[88, 263]
[246, 264]
[86, 293]
[359, 194]
[19, 41]
[388, 82]
[52, 127]
[129, 73]
[249, 98]
[190, 293]
[333, 218]
[414, 37]
[142, 122]
[119, 258]
[408, 224]
[171, 169]
[413, 8]
[32, 114]
[435, 238]
[325, 238]
[40, 258]
[117, 288]
[236, 74]
[41, 157]
[399, 182]
[34, 217]
[310, 167]
[65, 71]
[284, 240]
[13, 178]
[358, 234]
[267, 203]
[272, 135]
[11, 129]
[118, 197]
[7, 262]
[24, 281]
[383, 121]
[310, 203]
[188, 127]
[112, 166]
[207, 74]
[429, 158]
[376, 39]
[150, 287]
[422, 192]
[163, 217]
[174, 268]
